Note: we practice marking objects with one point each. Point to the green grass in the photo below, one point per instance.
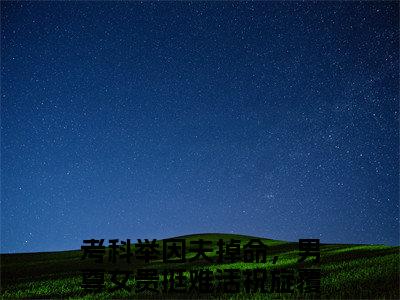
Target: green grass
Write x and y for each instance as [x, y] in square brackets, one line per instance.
[348, 272]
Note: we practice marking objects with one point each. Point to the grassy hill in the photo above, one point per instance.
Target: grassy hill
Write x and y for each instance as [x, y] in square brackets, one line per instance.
[347, 271]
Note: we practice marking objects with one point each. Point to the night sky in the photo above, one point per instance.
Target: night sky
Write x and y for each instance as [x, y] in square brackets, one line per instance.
[152, 120]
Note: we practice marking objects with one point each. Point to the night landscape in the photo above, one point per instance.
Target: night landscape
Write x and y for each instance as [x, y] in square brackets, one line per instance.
[246, 126]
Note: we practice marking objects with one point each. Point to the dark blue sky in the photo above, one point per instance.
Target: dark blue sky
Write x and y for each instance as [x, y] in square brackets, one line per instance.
[151, 120]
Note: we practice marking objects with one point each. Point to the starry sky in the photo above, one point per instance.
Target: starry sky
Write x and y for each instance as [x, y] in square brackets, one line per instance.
[152, 120]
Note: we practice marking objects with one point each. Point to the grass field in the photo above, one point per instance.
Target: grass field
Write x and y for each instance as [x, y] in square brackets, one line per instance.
[347, 272]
